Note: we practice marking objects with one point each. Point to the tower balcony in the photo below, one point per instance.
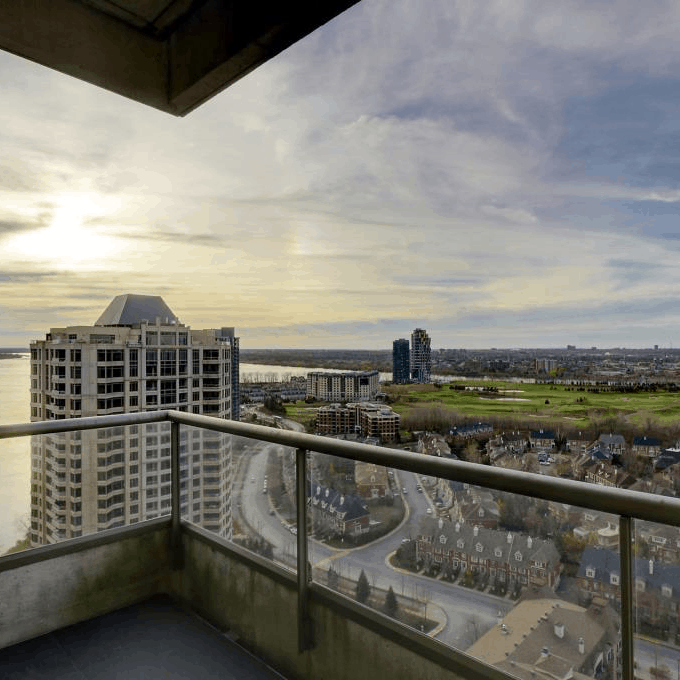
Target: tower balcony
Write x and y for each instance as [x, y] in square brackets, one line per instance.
[166, 598]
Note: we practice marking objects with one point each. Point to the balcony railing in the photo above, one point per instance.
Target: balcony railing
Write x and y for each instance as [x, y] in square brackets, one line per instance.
[628, 505]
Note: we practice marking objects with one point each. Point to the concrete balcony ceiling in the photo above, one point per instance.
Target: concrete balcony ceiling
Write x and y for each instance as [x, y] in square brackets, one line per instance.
[170, 54]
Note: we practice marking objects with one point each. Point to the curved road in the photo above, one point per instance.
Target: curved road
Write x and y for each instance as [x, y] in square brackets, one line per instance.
[469, 613]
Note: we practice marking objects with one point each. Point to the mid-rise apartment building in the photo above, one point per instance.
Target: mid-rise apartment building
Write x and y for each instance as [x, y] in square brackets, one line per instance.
[336, 419]
[346, 386]
[421, 359]
[401, 365]
[136, 357]
[545, 365]
[365, 418]
[379, 421]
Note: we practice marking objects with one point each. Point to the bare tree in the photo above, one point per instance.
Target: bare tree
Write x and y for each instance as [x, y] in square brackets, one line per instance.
[472, 452]
[473, 628]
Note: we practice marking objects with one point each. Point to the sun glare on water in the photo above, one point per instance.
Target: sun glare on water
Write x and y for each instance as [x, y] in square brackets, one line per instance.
[67, 242]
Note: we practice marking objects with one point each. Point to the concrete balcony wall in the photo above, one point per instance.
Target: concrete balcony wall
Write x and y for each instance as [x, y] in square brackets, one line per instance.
[258, 604]
[50, 587]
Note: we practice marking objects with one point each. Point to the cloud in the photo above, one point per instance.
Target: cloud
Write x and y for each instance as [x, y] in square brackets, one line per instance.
[473, 168]
[210, 240]
[13, 227]
[26, 276]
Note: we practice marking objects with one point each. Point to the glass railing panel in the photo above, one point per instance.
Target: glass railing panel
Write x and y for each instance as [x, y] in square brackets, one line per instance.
[155, 471]
[512, 580]
[656, 596]
[242, 490]
[356, 518]
[205, 479]
[87, 481]
[544, 567]
[15, 494]
[365, 521]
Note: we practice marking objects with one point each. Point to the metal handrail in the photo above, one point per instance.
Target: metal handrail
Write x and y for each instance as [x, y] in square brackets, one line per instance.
[628, 505]
[634, 504]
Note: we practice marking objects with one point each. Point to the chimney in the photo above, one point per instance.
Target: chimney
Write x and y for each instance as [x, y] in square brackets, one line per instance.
[457, 527]
[559, 630]
[441, 523]
[509, 539]
[651, 567]
[475, 531]
[529, 542]
[581, 646]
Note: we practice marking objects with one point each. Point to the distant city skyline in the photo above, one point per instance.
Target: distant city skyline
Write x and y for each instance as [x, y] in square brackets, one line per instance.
[501, 174]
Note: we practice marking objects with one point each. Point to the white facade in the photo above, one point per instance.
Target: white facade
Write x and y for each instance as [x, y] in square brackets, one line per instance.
[83, 482]
[348, 386]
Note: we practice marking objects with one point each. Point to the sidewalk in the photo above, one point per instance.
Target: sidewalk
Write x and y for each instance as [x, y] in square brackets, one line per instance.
[414, 607]
[408, 572]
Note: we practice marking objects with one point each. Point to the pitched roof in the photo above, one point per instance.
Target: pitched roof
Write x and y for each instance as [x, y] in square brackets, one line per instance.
[543, 434]
[667, 458]
[517, 549]
[599, 452]
[499, 642]
[130, 310]
[527, 643]
[606, 563]
[612, 440]
[369, 473]
[646, 441]
[346, 508]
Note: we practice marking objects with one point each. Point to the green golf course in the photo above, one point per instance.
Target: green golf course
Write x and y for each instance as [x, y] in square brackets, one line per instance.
[551, 404]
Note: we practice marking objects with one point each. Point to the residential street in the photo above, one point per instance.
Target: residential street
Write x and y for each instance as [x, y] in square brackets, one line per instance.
[469, 613]
[648, 654]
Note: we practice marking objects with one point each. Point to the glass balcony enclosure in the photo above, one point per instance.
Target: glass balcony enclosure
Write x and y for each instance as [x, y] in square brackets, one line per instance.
[275, 535]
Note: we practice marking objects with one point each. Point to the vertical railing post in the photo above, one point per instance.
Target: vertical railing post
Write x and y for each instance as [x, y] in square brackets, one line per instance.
[304, 575]
[627, 630]
[177, 555]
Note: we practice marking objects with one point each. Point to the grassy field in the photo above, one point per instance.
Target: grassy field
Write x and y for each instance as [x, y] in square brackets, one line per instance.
[549, 404]
[301, 412]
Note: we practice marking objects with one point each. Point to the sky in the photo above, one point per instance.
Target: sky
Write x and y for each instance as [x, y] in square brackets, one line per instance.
[501, 173]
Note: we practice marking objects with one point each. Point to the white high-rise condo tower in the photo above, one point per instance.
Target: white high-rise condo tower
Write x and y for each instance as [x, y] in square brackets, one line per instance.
[136, 357]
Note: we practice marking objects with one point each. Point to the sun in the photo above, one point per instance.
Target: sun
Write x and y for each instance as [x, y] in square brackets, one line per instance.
[66, 242]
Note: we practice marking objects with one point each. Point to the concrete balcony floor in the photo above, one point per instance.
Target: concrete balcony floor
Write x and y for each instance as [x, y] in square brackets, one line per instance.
[153, 640]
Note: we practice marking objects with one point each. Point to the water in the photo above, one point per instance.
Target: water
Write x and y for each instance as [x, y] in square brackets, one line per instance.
[15, 454]
[267, 373]
[250, 372]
